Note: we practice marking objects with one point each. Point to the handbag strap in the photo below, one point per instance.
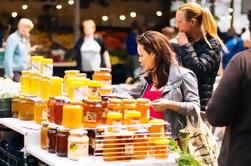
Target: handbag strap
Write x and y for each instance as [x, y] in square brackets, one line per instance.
[199, 122]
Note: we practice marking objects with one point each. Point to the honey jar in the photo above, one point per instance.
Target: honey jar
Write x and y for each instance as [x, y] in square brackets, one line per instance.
[25, 82]
[72, 114]
[35, 81]
[44, 135]
[92, 115]
[114, 119]
[51, 104]
[94, 90]
[140, 144]
[56, 85]
[62, 141]
[111, 147]
[45, 88]
[156, 128]
[104, 75]
[52, 134]
[128, 105]
[104, 104]
[58, 110]
[40, 111]
[127, 145]
[26, 109]
[161, 148]
[78, 144]
[115, 105]
[69, 74]
[143, 106]
[133, 119]
[15, 106]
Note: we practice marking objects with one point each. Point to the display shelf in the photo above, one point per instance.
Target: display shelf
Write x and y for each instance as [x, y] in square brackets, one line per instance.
[53, 159]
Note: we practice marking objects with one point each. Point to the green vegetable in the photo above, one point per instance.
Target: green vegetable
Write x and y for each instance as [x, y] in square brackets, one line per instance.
[173, 146]
[186, 159]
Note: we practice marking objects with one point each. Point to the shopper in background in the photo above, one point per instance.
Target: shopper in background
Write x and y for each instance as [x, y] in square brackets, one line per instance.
[172, 89]
[199, 47]
[230, 106]
[17, 50]
[91, 52]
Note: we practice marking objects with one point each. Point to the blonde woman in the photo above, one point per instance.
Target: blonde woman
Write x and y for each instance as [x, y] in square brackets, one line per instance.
[198, 46]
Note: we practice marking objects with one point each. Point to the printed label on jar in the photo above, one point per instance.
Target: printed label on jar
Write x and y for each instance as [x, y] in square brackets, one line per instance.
[91, 117]
[35, 66]
[116, 126]
[106, 84]
[80, 149]
[44, 114]
[125, 113]
[48, 70]
[93, 91]
[129, 149]
[79, 94]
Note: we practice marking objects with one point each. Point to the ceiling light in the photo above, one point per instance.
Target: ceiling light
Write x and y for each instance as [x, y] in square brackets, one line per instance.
[105, 18]
[24, 7]
[133, 14]
[230, 10]
[59, 6]
[71, 2]
[122, 17]
[159, 13]
[14, 14]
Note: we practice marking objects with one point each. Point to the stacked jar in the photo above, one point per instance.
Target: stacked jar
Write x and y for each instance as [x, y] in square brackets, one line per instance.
[25, 82]
[104, 75]
[56, 85]
[94, 90]
[69, 74]
[143, 106]
[44, 89]
[35, 81]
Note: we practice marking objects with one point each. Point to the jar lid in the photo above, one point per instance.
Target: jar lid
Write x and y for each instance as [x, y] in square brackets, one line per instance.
[81, 75]
[63, 129]
[114, 115]
[133, 114]
[157, 121]
[55, 78]
[105, 69]
[71, 71]
[114, 100]
[95, 83]
[37, 58]
[129, 101]
[25, 72]
[162, 141]
[78, 132]
[142, 100]
[47, 61]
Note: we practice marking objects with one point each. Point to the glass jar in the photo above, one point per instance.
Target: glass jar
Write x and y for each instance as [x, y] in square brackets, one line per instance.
[115, 119]
[25, 82]
[133, 119]
[40, 111]
[140, 144]
[44, 89]
[47, 67]
[44, 135]
[52, 134]
[26, 109]
[127, 146]
[156, 128]
[78, 144]
[36, 63]
[104, 75]
[56, 85]
[72, 115]
[35, 81]
[115, 105]
[143, 106]
[15, 106]
[69, 74]
[58, 110]
[161, 148]
[128, 105]
[104, 104]
[51, 104]
[92, 115]
[94, 90]
[111, 148]
[62, 142]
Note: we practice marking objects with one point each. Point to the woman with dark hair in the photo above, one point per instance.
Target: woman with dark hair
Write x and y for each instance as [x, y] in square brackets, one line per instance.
[172, 90]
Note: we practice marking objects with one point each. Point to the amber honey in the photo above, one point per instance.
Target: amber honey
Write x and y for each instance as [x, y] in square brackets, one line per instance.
[92, 115]
[25, 82]
[114, 119]
[128, 105]
[40, 111]
[104, 75]
[44, 135]
[140, 144]
[51, 104]
[143, 106]
[26, 109]
[161, 148]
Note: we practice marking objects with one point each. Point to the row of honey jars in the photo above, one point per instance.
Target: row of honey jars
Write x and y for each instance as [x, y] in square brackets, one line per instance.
[104, 75]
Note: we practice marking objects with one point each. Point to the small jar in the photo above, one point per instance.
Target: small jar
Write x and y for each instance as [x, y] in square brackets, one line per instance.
[111, 148]
[128, 149]
[56, 84]
[69, 74]
[26, 109]
[58, 110]
[78, 144]
[140, 144]
[52, 134]
[104, 104]
[94, 90]
[62, 141]
[25, 82]
[44, 89]
[35, 81]
[143, 106]
[161, 148]
[133, 119]
[40, 111]
[72, 115]
[104, 75]
[51, 104]
[44, 135]
[114, 119]
[128, 105]
[156, 128]
[115, 105]
[14, 106]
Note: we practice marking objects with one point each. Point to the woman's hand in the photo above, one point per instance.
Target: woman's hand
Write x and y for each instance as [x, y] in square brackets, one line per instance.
[160, 105]
[182, 38]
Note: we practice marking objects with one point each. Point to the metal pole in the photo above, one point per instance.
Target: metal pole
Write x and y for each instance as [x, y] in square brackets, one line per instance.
[232, 14]
[76, 20]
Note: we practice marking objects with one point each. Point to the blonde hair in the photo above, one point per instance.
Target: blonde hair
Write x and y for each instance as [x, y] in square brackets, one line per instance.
[26, 21]
[205, 18]
[90, 22]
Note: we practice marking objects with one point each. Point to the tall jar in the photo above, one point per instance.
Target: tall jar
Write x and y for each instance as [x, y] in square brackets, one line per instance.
[40, 111]
[92, 115]
[52, 134]
[104, 75]
[140, 144]
[115, 105]
[51, 104]
[15, 106]
[104, 104]
[62, 141]
[133, 119]
[44, 135]
[69, 74]
[143, 106]
[56, 85]
[47, 67]
[58, 110]
[78, 144]
[26, 111]
[35, 81]
[25, 82]
[72, 114]
[94, 90]
[45, 89]
[128, 105]
[114, 120]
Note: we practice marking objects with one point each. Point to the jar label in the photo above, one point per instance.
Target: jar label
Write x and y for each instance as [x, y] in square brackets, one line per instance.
[104, 113]
[48, 70]
[35, 66]
[44, 114]
[91, 117]
[106, 84]
[80, 149]
[129, 149]
[80, 93]
[116, 126]
[94, 91]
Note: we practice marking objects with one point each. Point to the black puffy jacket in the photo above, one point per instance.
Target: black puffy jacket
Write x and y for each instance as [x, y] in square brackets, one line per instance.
[204, 62]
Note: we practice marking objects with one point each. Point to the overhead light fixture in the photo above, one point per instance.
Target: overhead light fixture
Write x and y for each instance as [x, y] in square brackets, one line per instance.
[105, 18]
[122, 17]
[133, 14]
[230, 10]
[71, 2]
[59, 7]
[24, 7]
[14, 14]
[159, 13]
